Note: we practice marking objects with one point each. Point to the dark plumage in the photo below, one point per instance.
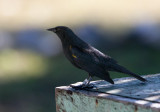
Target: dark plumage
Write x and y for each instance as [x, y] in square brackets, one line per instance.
[88, 58]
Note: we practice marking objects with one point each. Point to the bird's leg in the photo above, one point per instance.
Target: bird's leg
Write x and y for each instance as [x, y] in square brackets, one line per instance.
[89, 80]
[85, 85]
[85, 82]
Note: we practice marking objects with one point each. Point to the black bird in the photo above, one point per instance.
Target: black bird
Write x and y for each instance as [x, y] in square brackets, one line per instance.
[88, 58]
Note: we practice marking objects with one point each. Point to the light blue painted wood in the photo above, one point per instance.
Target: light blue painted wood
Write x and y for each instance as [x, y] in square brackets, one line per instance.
[127, 95]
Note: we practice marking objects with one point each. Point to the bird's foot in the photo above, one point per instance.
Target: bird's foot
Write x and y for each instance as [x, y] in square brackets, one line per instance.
[88, 86]
[83, 86]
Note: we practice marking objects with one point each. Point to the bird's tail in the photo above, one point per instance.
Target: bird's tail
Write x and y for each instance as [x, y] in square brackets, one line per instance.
[119, 68]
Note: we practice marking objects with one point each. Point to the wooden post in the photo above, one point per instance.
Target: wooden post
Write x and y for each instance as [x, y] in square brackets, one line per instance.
[126, 95]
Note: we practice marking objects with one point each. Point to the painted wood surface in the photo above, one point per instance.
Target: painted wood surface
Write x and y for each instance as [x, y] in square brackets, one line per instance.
[126, 95]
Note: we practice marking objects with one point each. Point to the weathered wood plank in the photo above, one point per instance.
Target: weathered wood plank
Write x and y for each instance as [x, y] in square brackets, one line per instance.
[126, 95]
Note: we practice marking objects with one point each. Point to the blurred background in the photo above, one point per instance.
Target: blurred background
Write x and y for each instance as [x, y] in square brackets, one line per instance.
[32, 63]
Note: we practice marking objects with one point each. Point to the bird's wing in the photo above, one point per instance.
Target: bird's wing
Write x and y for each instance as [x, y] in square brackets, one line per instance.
[84, 58]
[103, 57]
[92, 57]
[87, 60]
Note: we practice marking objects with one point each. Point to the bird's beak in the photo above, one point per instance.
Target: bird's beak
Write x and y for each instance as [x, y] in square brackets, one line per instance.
[52, 29]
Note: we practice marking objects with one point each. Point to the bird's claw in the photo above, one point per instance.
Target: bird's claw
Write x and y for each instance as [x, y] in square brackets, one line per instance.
[83, 86]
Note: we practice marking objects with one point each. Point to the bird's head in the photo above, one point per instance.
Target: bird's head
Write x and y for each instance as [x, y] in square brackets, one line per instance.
[60, 29]
[63, 32]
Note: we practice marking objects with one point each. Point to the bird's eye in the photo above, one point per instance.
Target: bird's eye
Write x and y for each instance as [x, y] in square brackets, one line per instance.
[57, 29]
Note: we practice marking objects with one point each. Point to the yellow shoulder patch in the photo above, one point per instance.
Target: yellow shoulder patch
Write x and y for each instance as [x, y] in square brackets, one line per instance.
[74, 56]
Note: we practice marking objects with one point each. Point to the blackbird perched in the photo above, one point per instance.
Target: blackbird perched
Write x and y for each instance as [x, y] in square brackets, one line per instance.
[88, 58]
